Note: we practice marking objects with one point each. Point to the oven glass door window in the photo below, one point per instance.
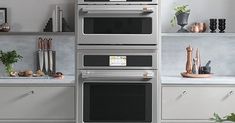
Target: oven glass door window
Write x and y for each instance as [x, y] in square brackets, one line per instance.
[117, 25]
[117, 102]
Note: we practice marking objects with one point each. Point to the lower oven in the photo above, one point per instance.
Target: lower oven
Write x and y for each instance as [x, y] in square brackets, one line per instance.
[117, 96]
[117, 84]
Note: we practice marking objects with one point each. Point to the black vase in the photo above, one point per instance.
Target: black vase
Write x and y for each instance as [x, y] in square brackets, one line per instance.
[182, 20]
[213, 25]
[222, 25]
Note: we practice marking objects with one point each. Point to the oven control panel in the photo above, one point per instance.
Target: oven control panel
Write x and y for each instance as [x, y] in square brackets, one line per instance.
[117, 60]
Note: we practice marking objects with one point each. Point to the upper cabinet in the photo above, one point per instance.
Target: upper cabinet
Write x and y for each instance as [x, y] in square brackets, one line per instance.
[33, 15]
[201, 11]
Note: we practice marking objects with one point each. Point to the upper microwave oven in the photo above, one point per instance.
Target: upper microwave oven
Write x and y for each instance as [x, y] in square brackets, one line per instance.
[117, 24]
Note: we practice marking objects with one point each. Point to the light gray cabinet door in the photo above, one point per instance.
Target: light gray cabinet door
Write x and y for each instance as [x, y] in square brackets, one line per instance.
[37, 103]
[196, 103]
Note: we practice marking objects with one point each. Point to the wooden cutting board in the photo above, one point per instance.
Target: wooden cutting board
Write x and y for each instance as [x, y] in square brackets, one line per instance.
[186, 75]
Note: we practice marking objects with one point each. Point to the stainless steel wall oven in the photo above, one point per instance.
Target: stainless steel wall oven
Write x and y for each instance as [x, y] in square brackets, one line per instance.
[117, 84]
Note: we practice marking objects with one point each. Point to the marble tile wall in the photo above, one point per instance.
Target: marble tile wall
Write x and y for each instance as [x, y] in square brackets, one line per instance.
[220, 50]
[27, 46]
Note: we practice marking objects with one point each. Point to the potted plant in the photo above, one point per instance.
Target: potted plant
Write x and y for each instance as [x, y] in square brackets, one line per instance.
[8, 59]
[230, 117]
[181, 15]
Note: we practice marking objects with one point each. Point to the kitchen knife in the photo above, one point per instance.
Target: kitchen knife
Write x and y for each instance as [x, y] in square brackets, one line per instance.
[45, 55]
[40, 54]
[50, 52]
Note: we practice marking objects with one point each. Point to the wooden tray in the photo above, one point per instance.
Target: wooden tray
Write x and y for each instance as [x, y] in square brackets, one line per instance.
[184, 74]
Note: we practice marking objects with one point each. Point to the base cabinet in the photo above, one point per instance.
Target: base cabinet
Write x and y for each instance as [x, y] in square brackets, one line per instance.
[196, 102]
[37, 103]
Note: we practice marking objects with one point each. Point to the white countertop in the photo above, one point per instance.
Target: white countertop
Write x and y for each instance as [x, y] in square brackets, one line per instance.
[213, 80]
[67, 81]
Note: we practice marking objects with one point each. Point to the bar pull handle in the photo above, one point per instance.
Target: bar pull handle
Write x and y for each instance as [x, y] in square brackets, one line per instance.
[117, 75]
[145, 10]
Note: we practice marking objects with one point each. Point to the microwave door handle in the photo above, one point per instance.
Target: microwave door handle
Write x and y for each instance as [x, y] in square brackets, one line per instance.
[117, 10]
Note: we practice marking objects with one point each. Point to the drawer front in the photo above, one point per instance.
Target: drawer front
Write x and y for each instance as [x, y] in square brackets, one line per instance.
[196, 103]
[28, 103]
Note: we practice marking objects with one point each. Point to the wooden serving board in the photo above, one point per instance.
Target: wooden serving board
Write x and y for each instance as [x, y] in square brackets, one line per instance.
[186, 75]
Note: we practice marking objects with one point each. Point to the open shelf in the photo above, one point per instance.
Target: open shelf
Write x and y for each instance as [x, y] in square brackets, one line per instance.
[37, 33]
[197, 34]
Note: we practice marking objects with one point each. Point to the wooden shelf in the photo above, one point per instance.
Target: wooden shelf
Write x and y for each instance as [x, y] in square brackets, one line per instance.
[37, 33]
[198, 34]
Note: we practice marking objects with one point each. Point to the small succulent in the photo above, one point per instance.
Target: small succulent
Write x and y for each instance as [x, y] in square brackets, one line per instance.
[178, 10]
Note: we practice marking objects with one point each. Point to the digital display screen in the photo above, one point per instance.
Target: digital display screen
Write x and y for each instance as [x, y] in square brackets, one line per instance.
[117, 61]
[116, 0]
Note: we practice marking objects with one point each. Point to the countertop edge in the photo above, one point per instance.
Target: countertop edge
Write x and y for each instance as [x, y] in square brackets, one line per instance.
[215, 80]
[67, 81]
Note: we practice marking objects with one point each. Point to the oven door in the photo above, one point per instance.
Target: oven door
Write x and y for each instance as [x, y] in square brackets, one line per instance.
[117, 24]
[117, 96]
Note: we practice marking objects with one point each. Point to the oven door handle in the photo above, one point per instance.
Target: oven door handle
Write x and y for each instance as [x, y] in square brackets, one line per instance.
[117, 75]
[145, 10]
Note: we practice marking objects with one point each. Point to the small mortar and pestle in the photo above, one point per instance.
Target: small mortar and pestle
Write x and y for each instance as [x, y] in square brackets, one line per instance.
[205, 69]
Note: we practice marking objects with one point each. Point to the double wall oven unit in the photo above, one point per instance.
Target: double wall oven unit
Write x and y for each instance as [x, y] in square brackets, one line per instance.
[117, 61]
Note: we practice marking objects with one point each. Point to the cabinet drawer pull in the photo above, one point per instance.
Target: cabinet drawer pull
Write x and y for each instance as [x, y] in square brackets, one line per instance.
[184, 92]
[30, 92]
[230, 92]
[181, 95]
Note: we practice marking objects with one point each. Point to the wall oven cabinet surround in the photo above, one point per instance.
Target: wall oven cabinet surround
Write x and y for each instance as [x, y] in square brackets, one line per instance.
[117, 24]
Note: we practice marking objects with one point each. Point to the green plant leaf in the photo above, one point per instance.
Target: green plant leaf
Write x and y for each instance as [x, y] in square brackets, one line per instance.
[9, 58]
[218, 119]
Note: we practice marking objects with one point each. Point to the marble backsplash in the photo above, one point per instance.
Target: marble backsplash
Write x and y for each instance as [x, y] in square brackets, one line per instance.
[27, 47]
[220, 50]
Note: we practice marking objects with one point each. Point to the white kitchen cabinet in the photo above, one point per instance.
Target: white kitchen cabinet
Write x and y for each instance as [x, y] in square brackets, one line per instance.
[196, 102]
[37, 103]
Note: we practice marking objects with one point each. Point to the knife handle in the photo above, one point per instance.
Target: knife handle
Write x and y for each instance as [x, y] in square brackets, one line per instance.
[42, 45]
[39, 43]
[45, 44]
[49, 43]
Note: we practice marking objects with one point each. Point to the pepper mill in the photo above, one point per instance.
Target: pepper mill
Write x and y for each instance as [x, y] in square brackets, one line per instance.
[189, 60]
